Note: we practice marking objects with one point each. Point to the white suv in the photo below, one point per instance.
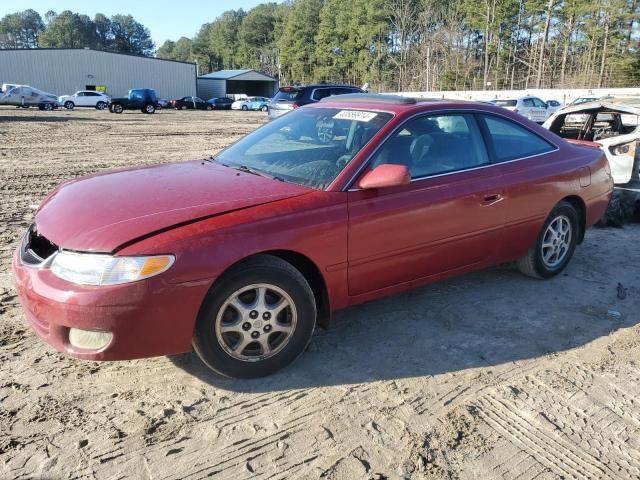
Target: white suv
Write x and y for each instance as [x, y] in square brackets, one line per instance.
[84, 98]
[531, 107]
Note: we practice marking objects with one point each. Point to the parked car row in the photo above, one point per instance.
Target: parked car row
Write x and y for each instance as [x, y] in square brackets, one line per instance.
[538, 110]
[147, 101]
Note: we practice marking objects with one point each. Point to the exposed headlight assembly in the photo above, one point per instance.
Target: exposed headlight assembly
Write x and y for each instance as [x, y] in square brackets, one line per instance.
[622, 149]
[101, 269]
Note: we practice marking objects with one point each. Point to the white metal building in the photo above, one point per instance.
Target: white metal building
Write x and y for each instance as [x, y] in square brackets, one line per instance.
[63, 71]
[236, 82]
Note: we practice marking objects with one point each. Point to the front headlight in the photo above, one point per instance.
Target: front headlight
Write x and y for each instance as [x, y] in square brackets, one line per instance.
[623, 149]
[101, 269]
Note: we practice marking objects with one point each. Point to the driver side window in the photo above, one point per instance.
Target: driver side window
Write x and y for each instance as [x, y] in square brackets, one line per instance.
[539, 103]
[435, 144]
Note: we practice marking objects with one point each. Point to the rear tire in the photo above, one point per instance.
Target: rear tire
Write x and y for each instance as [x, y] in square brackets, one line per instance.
[227, 319]
[244, 108]
[149, 109]
[264, 108]
[209, 108]
[555, 244]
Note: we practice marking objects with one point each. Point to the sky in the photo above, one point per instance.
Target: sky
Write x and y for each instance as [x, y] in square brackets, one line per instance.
[166, 20]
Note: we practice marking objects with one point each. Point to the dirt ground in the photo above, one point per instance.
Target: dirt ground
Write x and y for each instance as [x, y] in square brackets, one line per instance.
[491, 375]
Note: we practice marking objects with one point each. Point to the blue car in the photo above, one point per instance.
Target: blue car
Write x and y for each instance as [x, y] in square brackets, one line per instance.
[252, 103]
[260, 103]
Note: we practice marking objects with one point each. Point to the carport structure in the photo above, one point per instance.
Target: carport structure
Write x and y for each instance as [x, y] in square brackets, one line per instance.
[236, 82]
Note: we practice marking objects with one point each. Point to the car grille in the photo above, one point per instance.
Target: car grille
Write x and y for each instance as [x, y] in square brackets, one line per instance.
[36, 249]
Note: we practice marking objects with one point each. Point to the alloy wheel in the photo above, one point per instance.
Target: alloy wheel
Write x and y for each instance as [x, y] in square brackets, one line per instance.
[256, 322]
[556, 241]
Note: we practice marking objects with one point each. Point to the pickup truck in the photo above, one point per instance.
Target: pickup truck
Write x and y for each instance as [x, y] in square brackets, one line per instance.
[143, 99]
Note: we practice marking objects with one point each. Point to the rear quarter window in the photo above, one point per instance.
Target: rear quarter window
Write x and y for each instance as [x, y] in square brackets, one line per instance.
[511, 141]
[288, 94]
[506, 103]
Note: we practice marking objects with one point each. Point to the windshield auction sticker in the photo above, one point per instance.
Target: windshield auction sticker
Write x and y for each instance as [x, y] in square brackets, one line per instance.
[357, 115]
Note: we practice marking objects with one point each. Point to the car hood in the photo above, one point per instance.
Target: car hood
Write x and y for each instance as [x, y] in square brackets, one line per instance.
[104, 211]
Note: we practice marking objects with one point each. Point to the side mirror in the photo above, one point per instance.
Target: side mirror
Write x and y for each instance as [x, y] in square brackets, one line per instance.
[384, 176]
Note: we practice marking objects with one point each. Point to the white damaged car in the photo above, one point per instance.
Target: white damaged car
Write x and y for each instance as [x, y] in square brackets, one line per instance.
[25, 96]
[614, 125]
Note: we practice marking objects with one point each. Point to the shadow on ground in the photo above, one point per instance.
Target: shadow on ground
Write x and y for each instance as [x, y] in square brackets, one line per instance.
[479, 320]
[45, 117]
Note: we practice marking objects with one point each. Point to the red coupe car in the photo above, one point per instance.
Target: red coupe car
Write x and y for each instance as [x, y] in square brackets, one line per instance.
[348, 200]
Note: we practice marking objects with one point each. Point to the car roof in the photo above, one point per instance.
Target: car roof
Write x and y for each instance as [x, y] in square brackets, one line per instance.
[318, 85]
[399, 104]
[371, 97]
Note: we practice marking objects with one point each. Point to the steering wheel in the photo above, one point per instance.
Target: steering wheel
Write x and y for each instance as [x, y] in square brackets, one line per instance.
[342, 161]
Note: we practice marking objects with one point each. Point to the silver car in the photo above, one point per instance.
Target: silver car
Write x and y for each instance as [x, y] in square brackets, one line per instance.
[530, 107]
[25, 96]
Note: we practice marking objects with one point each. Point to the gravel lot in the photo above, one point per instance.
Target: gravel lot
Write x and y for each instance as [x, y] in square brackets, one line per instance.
[491, 375]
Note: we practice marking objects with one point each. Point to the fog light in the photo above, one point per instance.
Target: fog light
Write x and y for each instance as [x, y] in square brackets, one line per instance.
[88, 340]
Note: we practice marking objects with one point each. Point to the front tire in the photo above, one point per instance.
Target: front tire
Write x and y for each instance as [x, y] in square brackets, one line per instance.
[69, 105]
[117, 108]
[257, 319]
[555, 244]
[244, 108]
[100, 105]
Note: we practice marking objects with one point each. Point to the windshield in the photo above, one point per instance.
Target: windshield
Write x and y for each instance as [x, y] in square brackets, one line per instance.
[578, 101]
[309, 146]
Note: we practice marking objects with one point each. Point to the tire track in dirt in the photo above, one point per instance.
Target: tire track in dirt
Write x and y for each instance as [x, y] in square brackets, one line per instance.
[160, 438]
[540, 442]
[591, 427]
[557, 415]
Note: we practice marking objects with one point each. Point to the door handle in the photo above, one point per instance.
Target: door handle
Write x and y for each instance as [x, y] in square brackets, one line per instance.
[492, 198]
